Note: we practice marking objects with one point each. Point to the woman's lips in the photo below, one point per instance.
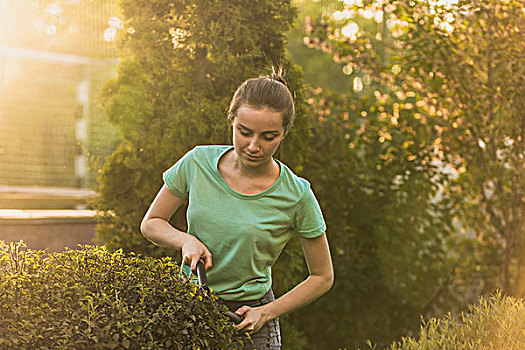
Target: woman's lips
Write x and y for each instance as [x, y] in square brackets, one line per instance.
[252, 157]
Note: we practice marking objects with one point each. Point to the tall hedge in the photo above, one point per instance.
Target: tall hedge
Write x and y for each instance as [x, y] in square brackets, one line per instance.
[181, 62]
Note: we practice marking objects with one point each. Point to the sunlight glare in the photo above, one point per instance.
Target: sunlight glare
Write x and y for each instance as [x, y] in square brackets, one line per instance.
[110, 34]
[378, 16]
[348, 69]
[447, 4]
[53, 9]
[345, 14]
[51, 29]
[177, 37]
[350, 30]
[115, 24]
[350, 3]
[358, 84]
[369, 13]
[338, 15]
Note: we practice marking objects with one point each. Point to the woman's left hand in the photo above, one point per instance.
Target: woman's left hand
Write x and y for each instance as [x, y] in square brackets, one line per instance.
[254, 318]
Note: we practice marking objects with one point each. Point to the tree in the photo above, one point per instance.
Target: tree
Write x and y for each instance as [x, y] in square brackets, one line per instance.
[438, 164]
[180, 65]
[379, 188]
[478, 61]
[389, 231]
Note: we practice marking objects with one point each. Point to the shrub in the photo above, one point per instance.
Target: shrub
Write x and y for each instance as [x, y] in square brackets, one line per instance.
[92, 298]
[491, 324]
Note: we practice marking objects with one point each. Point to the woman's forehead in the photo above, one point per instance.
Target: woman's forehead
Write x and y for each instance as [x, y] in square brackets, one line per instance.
[261, 120]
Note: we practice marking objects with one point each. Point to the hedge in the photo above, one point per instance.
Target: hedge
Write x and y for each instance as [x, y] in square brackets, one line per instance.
[495, 323]
[92, 298]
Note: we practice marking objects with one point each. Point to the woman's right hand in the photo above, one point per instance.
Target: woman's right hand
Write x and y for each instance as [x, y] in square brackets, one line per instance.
[194, 250]
[156, 228]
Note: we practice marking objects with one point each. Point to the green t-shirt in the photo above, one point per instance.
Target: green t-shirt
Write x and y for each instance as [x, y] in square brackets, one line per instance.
[244, 233]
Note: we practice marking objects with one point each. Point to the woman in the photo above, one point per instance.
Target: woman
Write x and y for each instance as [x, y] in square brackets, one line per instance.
[244, 206]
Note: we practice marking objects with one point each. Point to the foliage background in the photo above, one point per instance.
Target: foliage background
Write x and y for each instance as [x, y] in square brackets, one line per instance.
[426, 192]
[415, 154]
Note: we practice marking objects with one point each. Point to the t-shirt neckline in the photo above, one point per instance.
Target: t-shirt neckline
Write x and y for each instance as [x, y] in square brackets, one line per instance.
[244, 195]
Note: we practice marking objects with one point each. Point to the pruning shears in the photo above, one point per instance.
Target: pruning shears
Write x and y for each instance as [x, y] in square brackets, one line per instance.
[203, 284]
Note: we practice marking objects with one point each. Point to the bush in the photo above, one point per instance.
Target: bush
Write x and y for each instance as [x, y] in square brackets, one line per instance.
[92, 298]
[492, 324]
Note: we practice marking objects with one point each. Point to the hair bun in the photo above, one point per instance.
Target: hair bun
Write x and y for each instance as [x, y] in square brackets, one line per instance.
[278, 75]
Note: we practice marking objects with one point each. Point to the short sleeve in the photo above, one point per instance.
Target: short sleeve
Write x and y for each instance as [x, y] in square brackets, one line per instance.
[309, 221]
[178, 177]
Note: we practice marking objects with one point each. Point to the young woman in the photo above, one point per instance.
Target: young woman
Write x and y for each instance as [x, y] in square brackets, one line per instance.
[244, 206]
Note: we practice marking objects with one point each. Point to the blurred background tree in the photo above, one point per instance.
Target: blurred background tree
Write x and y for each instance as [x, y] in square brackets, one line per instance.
[475, 71]
[420, 155]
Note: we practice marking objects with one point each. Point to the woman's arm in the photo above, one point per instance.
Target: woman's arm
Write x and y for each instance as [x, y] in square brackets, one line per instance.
[156, 228]
[320, 280]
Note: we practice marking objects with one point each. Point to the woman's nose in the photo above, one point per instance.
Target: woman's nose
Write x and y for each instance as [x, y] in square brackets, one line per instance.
[254, 145]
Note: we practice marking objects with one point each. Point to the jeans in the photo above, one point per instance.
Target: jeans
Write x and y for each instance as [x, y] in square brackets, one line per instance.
[267, 338]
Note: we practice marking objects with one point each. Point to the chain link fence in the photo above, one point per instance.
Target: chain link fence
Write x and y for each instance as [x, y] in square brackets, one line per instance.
[54, 58]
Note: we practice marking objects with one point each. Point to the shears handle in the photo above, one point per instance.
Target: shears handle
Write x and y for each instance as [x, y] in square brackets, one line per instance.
[203, 282]
[234, 317]
[201, 275]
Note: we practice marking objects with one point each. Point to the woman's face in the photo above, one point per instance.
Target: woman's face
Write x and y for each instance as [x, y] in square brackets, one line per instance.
[257, 134]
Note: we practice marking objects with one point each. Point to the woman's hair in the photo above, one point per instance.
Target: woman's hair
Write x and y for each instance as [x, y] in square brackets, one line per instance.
[265, 92]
